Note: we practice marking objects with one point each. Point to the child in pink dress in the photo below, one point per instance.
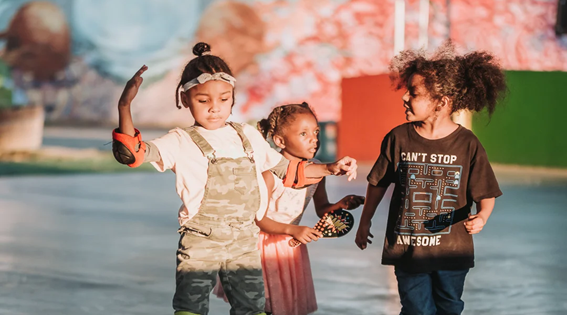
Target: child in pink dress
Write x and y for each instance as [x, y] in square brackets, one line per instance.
[287, 273]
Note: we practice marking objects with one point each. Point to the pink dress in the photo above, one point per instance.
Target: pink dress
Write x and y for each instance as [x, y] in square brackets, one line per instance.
[287, 271]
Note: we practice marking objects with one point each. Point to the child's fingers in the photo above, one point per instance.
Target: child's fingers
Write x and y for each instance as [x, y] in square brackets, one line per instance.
[142, 70]
[137, 78]
[352, 169]
[475, 231]
[316, 233]
[474, 227]
[357, 201]
[351, 176]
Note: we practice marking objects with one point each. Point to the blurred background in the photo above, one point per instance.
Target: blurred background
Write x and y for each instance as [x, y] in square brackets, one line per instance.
[63, 64]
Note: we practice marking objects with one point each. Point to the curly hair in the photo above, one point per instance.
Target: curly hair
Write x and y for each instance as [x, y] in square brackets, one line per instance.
[473, 81]
[280, 117]
[203, 63]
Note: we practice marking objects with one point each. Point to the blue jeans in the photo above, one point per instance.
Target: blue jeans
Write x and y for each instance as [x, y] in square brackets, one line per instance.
[434, 293]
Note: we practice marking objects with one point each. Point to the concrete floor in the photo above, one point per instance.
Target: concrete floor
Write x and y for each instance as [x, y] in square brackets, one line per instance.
[105, 244]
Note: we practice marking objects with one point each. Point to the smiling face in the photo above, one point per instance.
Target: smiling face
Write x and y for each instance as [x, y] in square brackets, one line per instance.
[210, 103]
[299, 139]
[417, 100]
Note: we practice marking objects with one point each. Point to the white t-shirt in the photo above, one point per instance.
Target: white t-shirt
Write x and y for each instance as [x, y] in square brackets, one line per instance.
[288, 204]
[180, 154]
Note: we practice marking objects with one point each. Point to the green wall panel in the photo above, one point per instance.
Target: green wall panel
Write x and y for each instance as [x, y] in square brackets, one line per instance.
[529, 127]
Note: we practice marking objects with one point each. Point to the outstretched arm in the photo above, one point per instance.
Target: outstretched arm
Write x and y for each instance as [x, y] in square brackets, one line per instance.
[345, 166]
[302, 173]
[374, 195]
[322, 204]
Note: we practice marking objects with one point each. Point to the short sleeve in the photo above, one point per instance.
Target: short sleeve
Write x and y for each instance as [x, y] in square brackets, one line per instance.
[168, 147]
[280, 170]
[382, 173]
[151, 154]
[482, 181]
[272, 158]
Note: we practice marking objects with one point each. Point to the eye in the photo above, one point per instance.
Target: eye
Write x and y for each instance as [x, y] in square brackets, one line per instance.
[224, 99]
[202, 101]
[317, 131]
[303, 134]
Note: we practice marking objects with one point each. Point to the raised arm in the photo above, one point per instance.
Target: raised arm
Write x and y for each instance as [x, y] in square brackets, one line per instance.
[125, 123]
[127, 145]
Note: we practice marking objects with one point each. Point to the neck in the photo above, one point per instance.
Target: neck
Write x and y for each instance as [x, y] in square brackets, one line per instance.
[290, 157]
[435, 129]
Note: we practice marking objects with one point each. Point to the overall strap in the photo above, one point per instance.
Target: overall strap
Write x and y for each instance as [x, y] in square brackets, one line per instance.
[245, 142]
[203, 145]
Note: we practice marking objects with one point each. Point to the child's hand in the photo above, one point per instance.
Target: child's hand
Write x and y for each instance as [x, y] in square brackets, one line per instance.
[351, 202]
[346, 165]
[131, 88]
[305, 234]
[363, 235]
[474, 224]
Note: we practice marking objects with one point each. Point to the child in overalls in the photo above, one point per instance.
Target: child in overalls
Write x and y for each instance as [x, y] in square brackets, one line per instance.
[218, 167]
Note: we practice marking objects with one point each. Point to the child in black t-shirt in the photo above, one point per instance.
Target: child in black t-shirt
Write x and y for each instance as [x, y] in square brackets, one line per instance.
[439, 169]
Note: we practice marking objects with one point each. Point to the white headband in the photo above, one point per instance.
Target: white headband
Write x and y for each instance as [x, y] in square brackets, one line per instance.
[205, 77]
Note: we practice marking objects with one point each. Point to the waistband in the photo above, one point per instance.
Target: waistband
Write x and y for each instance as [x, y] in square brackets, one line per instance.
[216, 223]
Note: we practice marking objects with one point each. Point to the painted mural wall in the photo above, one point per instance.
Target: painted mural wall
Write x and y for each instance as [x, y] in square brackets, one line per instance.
[73, 56]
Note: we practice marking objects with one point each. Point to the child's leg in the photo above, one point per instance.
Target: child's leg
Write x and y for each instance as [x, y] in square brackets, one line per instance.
[241, 277]
[448, 288]
[196, 274]
[415, 291]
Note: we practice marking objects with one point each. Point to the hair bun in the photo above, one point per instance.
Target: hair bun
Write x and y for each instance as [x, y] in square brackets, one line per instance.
[201, 48]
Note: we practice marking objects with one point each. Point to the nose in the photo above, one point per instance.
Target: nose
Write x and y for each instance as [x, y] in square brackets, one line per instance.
[215, 106]
[405, 97]
[314, 138]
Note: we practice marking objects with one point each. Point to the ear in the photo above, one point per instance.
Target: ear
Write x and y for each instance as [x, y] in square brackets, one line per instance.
[445, 102]
[279, 141]
[185, 99]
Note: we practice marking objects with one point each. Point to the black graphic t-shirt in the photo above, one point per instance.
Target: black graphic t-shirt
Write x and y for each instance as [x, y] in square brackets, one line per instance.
[436, 182]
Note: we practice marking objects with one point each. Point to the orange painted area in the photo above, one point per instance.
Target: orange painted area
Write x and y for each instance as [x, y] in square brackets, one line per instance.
[370, 109]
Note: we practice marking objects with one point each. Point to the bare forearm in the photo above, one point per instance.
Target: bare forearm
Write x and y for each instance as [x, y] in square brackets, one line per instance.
[317, 170]
[125, 123]
[326, 208]
[270, 226]
[484, 208]
[374, 195]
